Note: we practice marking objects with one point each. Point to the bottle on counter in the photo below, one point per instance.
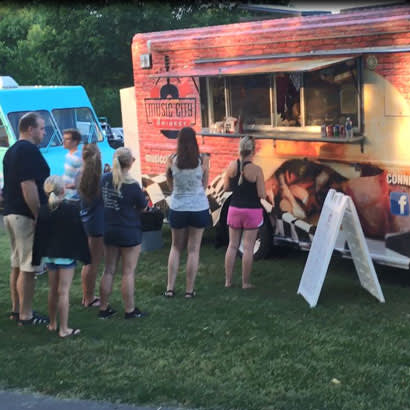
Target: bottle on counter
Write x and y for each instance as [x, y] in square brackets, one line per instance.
[336, 130]
[323, 130]
[349, 128]
[329, 130]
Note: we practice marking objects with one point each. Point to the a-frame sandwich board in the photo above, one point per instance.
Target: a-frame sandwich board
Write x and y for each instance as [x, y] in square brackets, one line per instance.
[338, 210]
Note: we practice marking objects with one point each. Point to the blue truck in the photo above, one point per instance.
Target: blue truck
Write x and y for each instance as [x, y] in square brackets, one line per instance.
[61, 107]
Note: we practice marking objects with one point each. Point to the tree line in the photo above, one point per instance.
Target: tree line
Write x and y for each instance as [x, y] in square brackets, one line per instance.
[89, 44]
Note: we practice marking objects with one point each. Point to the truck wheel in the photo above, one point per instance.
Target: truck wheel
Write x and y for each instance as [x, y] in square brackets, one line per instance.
[264, 241]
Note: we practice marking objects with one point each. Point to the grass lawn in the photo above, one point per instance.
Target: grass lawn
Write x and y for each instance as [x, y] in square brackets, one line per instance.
[227, 348]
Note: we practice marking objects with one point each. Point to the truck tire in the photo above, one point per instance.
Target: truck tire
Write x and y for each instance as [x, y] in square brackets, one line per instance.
[264, 241]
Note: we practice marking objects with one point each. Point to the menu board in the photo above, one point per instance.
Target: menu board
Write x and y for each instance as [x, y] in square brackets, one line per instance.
[337, 208]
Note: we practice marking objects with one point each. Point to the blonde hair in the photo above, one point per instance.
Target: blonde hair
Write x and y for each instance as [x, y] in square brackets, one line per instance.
[123, 158]
[54, 189]
[246, 147]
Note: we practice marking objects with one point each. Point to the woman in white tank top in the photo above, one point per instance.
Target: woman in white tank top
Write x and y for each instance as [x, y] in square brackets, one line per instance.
[187, 175]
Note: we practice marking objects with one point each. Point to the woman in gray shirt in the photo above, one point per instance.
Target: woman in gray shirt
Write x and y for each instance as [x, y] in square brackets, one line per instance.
[187, 176]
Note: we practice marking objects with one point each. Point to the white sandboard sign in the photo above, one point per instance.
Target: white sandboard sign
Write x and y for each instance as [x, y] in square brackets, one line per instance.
[338, 209]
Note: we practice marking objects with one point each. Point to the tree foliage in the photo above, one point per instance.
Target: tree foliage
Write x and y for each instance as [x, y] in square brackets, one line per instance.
[90, 43]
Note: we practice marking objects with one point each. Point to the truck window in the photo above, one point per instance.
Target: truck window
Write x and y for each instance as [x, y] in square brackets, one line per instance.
[331, 94]
[52, 137]
[250, 99]
[80, 118]
[4, 140]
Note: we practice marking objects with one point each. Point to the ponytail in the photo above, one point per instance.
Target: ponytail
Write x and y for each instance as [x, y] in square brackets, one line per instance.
[122, 159]
[54, 189]
[246, 147]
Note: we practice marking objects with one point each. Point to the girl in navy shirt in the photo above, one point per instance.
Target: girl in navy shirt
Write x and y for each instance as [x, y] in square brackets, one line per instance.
[123, 201]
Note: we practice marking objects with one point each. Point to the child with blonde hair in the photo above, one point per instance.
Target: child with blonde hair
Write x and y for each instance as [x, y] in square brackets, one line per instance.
[123, 202]
[59, 240]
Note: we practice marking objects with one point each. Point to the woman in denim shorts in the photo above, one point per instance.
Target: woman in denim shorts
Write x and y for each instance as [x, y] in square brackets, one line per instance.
[187, 175]
[245, 213]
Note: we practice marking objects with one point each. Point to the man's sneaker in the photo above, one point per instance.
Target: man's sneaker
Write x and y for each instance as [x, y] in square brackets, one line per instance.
[105, 314]
[134, 314]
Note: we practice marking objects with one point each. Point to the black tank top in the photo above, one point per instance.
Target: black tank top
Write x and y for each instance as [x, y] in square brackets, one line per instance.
[244, 195]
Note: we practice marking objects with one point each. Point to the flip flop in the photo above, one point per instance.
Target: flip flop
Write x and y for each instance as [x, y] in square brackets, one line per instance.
[94, 303]
[169, 293]
[190, 295]
[74, 332]
[14, 315]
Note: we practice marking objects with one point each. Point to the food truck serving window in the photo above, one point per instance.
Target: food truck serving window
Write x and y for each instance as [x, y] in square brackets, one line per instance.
[326, 96]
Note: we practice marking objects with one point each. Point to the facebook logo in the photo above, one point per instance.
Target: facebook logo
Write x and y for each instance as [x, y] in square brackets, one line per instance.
[399, 203]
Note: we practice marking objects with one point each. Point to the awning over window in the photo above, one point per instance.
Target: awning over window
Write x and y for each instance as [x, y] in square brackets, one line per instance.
[246, 69]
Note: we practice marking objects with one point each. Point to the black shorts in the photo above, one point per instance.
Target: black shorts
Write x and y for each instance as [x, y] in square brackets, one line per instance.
[123, 238]
[183, 219]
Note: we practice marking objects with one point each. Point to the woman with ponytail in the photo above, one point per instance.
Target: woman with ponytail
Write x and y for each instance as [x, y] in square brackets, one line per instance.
[92, 216]
[59, 241]
[123, 202]
[245, 214]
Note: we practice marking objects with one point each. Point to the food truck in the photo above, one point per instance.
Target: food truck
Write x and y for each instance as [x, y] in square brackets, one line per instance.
[327, 99]
[61, 107]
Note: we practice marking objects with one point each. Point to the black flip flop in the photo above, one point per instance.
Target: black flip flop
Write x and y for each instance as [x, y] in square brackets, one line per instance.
[93, 303]
[190, 295]
[169, 293]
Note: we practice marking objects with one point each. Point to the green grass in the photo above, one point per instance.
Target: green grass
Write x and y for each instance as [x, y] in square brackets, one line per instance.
[227, 348]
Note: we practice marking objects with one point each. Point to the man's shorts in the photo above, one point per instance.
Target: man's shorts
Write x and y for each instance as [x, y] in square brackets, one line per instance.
[183, 219]
[21, 233]
[245, 218]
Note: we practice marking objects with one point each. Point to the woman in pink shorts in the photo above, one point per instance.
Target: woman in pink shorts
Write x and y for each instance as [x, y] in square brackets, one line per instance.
[245, 213]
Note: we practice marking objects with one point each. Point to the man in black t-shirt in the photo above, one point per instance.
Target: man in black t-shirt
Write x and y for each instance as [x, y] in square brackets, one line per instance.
[25, 171]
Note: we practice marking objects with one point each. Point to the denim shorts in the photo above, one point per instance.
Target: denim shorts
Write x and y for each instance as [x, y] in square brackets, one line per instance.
[56, 266]
[183, 219]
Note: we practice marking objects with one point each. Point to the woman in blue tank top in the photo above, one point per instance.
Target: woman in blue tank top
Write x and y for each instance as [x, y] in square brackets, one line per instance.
[187, 174]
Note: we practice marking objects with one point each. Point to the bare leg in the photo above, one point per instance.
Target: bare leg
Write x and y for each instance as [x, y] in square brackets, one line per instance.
[89, 272]
[14, 274]
[65, 277]
[53, 277]
[25, 289]
[249, 238]
[111, 257]
[193, 248]
[230, 256]
[129, 263]
[178, 243]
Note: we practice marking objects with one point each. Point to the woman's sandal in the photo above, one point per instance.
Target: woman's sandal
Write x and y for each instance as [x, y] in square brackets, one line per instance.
[14, 315]
[169, 293]
[74, 332]
[190, 295]
[94, 303]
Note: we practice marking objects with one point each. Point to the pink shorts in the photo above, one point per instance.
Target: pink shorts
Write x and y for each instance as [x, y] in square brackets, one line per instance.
[245, 218]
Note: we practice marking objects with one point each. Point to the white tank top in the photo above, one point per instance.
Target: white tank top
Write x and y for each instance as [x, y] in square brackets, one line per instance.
[188, 193]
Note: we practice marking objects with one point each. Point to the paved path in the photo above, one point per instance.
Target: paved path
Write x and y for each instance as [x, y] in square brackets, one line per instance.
[12, 400]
